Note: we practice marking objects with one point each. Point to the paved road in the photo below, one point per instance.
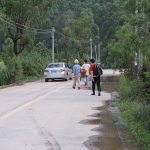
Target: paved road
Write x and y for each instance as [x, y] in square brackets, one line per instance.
[47, 116]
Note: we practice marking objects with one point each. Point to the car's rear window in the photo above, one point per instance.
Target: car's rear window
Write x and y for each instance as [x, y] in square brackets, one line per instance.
[55, 65]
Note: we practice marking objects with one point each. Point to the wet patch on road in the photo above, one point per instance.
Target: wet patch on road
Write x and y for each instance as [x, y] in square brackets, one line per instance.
[113, 133]
[92, 122]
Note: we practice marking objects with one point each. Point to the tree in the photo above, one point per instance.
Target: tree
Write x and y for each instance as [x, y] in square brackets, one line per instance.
[19, 16]
[81, 30]
[106, 16]
[121, 49]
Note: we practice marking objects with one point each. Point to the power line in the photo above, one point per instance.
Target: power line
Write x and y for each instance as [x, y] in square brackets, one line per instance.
[37, 30]
[42, 37]
[41, 31]
[69, 38]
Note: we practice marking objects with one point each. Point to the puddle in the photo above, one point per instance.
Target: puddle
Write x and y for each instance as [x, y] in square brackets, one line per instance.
[113, 133]
[109, 87]
[96, 115]
[92, 122]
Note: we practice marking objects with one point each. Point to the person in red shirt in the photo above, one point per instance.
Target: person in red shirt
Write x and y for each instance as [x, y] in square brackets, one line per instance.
[95, 78]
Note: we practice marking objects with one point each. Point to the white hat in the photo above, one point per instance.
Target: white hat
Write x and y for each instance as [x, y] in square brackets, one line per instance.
[76, 61]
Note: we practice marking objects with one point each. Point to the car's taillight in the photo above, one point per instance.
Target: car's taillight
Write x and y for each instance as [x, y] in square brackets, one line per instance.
[46, 71]
[61, 70]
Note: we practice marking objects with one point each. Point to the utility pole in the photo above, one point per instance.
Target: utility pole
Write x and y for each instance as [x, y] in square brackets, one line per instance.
[53, 30]
[99, 53]
[91, 46]
[57, 50]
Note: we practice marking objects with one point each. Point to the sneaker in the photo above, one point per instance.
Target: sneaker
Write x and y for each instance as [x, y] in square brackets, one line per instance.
[93, 94]
[99, 94]
[79, 88]
[73, 87]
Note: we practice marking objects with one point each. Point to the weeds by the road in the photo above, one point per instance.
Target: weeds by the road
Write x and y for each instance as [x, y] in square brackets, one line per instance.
[22, 82]
[136, 110]
[23, 68]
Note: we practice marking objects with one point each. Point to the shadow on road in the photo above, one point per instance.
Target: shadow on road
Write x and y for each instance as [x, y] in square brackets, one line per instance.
[55, 80]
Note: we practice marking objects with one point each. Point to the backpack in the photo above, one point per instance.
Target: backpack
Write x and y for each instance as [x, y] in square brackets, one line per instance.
[98, 70]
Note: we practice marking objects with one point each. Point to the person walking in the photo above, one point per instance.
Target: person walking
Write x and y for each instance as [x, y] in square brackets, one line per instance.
[76, 73]
[95, 78]
[86, 66]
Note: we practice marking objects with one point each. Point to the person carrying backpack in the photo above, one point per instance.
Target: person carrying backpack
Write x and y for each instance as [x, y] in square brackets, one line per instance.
[95, 71]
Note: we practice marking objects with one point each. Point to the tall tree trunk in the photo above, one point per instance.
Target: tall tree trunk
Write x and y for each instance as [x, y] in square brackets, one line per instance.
[15, 47]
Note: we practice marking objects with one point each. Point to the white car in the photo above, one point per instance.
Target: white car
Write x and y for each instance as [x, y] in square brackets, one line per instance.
[59, 70]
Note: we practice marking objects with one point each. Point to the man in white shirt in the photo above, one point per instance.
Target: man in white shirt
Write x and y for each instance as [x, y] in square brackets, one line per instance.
[86, 66]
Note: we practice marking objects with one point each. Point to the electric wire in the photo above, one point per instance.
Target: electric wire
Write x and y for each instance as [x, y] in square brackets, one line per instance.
[27, 27]
[69, 38]
[39, 31]
[33, 29]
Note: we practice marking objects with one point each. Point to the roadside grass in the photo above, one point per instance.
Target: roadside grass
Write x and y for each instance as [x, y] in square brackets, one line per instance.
[27, 67]
[136, 113]
[133, 113]
[23, 81]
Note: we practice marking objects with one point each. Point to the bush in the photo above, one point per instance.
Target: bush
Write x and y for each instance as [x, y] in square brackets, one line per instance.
[4, 76]
[135, 109]
[123, 87]
[137, 116]
[13, 64]
[34, 63]
[2, 64]
[29, 64]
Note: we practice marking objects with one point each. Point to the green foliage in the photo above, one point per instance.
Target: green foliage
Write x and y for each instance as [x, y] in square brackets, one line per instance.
[41, 48]
[84, 20]
[30, 65]
[137, 116]
[79, 20]
[135, 109]
[79, 29]
[19, 15]
[4, 76]
[130, 6]
[12, 63]
[132, 35]
[144, 74]
[2, 64]
[27, 64]
[119, 49]
[34, 63]
[8, 43]
[123, 87]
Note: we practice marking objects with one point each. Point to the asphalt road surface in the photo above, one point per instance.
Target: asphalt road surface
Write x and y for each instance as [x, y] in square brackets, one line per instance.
[47, 116]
